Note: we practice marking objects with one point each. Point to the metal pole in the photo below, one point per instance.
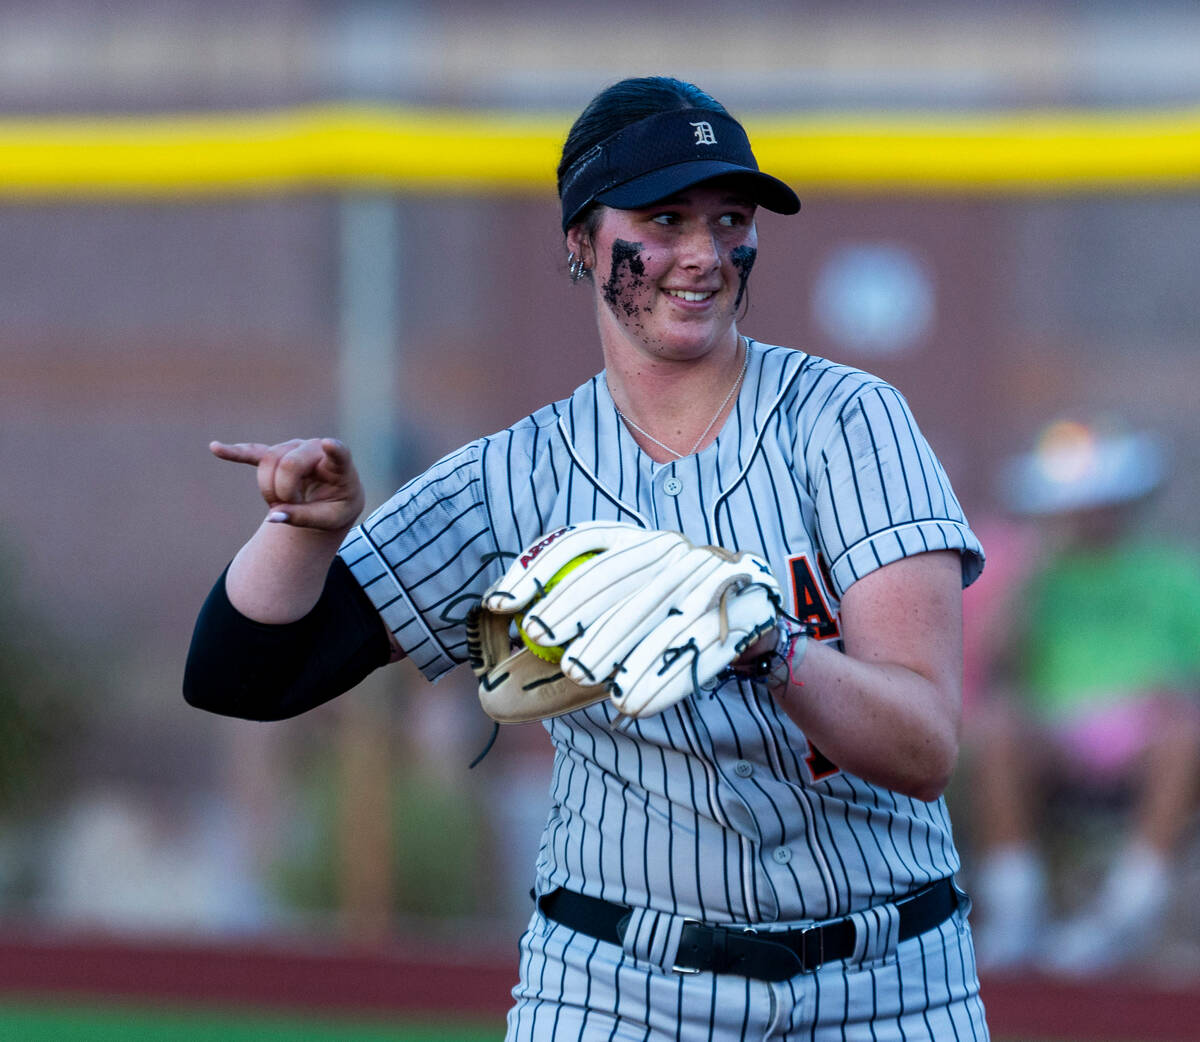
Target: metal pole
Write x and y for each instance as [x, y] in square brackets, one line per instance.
[369, 241]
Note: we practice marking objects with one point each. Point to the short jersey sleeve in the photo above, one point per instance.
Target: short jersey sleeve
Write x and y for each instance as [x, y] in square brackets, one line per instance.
[881, 493]
[425, 556]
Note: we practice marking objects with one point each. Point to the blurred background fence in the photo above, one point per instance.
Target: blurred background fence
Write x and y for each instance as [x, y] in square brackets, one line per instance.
[255, 221]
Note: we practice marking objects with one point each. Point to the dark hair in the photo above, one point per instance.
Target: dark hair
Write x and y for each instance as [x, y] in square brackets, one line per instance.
[627, 102]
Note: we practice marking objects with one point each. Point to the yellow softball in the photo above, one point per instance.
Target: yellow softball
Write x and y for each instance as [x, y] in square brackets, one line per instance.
[551, 654]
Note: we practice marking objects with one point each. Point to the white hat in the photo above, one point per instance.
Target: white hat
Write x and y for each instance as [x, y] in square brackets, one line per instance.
[1075, 467]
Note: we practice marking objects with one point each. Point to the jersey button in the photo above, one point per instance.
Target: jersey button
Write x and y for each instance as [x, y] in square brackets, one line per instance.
[743, 769]
[781, 855]
[672, 486]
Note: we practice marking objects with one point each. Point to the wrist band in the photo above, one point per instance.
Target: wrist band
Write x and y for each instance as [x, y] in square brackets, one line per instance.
[777, 666]
[788, 654]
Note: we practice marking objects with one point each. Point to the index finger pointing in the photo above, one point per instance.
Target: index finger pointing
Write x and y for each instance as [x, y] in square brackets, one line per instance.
[250, 452]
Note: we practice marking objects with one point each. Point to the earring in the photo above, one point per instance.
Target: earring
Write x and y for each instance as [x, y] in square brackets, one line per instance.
[575, 267]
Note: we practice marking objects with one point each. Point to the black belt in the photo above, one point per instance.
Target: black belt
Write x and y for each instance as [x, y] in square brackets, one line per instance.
[742, 950]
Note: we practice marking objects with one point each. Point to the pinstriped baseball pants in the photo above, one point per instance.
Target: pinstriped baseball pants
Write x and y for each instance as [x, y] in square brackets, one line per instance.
[574, 987]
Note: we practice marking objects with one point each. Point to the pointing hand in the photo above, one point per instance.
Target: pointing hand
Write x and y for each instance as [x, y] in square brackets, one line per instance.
[308, 483]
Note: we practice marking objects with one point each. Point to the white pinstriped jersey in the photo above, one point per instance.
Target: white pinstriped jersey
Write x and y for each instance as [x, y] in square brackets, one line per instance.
[718, 808]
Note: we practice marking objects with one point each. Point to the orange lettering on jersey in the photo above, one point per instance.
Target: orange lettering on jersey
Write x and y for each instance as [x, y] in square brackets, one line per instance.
[811, 605]
[826, 574]
[820, 766]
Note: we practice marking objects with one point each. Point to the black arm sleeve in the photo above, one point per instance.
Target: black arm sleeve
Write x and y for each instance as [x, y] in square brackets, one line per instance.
[239, 667]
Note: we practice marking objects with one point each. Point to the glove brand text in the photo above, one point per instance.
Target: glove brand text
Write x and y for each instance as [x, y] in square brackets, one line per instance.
[530, 555]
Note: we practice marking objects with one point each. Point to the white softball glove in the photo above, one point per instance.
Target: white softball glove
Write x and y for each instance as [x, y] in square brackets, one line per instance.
[647, 620]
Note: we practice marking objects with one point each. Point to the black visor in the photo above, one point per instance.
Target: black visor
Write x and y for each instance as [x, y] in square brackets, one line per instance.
[656, 157]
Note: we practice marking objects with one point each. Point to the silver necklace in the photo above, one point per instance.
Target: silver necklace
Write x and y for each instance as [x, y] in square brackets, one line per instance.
[704, 433]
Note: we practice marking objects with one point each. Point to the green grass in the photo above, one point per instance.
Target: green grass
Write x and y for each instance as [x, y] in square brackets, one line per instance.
[43, 1021]
[112, 1022]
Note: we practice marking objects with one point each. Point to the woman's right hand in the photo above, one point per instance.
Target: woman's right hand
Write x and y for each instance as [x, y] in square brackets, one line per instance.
[305, 482]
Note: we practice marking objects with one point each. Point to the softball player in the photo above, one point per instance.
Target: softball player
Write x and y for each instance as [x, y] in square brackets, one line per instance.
[766, 858]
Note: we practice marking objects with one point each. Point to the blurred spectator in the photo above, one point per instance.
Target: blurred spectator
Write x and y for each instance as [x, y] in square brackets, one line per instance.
[1091, 646]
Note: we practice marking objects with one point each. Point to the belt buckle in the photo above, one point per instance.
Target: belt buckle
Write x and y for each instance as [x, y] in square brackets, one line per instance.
[675, 967]
[805, 934]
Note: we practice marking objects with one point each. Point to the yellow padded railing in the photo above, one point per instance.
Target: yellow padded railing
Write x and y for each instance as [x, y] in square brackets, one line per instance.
[360, 147]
